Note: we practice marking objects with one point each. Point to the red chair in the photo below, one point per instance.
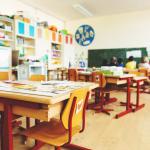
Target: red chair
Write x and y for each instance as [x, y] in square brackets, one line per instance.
[146, 86]
[72, 75]
[101, 94]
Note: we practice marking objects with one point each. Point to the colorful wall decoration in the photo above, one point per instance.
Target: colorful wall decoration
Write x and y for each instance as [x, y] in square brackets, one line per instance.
[84, 35]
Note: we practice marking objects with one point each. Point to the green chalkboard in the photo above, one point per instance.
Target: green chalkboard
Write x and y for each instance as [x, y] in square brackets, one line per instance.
[96, 56]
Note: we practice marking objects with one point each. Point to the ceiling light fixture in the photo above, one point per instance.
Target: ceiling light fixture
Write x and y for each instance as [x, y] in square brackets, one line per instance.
[82, 10]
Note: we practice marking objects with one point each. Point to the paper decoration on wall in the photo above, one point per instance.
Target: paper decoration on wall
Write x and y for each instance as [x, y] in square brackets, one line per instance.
[71, 40]
[53, 36]
[47, 34]
[60, 38]
[39, 33]
[66, 39]
[84, 35]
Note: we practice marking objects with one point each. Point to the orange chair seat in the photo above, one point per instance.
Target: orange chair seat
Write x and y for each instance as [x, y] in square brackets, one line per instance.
[52, 132]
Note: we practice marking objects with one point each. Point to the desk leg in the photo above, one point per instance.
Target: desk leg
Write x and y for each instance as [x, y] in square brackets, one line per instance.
[97, 100]
[98, 106]
[128, 103]
[1, 128]
[97, 103]
[138, 106]
[87, 78]
[109, 100]
[7, 137]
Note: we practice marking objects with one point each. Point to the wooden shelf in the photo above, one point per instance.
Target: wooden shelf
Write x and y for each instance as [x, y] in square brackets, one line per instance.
[5, 19]
[26, 37]
[29, 47]
[26, 46]
[8, 40]
[4, 46]
[54, 42]
[56, 50]
[54, 57]
[4, 30]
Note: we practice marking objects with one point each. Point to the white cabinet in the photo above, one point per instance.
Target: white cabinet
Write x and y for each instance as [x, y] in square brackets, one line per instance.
[5, 58]
[6, 39]
[25, 29]
[25, 34]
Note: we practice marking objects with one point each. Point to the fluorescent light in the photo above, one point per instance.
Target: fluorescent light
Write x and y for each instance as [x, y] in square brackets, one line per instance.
[82, 10]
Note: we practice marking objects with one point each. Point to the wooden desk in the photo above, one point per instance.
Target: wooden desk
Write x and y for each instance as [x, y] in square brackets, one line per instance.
[138, 80]
[113, 79]
[86, 74]
[32, 103]
[120, 79]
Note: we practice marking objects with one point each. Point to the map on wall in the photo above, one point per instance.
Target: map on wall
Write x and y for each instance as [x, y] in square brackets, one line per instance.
[84, 35]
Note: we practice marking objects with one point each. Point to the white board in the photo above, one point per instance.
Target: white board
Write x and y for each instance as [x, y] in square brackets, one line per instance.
[134, 53]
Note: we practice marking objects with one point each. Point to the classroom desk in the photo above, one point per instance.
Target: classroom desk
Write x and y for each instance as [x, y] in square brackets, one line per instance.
[138, 81]
[85, 74]
[111, 79]
[42, 105]
[120, 79]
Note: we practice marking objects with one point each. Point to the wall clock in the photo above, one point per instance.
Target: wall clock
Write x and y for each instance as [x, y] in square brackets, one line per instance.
[84, 35]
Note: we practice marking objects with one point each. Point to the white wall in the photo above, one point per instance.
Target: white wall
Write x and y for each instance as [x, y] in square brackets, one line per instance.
[116, 31]
[10, 7]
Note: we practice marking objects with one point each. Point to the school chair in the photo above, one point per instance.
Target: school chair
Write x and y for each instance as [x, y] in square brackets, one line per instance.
[140, 72]
[146, 86]
[37, 77]
[101, 94]
[4, 76]
[72, 75]
[58, 133]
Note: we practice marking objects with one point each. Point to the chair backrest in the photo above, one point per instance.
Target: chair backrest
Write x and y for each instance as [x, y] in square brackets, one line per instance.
[37, 77]
[98, 77]
[74, 111]
[143, 72]
[4, 76]
[72, 75]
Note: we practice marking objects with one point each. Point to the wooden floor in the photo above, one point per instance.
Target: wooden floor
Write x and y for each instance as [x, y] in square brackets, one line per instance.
[132, 132]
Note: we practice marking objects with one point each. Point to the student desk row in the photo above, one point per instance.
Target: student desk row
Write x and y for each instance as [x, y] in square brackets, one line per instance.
[43, 103]
[123, 79]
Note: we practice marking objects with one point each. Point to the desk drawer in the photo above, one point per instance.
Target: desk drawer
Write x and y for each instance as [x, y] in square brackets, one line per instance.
[115, 81]
[41, 114]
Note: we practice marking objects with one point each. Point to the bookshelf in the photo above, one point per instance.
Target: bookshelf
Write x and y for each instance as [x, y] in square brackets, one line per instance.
[25, 38]
[56, 45]
[6, 43]
[52, 46]
[56, 53]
